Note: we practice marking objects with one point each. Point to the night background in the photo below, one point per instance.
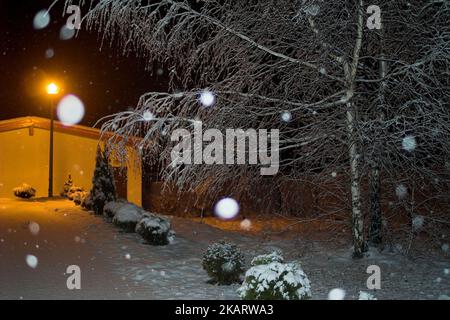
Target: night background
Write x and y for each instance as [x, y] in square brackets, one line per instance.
[285, 150]
[105, 80]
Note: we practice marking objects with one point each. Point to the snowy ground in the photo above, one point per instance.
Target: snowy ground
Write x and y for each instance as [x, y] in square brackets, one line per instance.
[116, 265]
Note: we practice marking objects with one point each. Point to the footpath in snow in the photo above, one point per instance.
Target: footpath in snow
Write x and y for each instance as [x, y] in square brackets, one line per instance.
[118, 265]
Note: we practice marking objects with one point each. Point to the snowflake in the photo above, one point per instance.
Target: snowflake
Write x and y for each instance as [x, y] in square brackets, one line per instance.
[49, 53]
[207, 98]
[246, 224]
[70, 110]
[227, 208]
[148, 116]
[66, 33]
[401, 191]
[409, 143]
[286, 116]
[34, 228]
[418, 222]
[32, 261]
[41, 19]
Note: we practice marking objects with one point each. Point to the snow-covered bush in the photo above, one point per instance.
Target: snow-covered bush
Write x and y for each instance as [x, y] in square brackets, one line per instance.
[223, 262]
[275, 280]
[86, 202]
[366, 296]
[127, 216]
[154, 229]
[103, 187]
[112, 207]
[67, 185]
[74, 192]
[79, 197]
[24, 191]
[267, 258]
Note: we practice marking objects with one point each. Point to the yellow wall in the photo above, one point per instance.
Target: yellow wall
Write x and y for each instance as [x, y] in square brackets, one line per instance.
[24, 158]
[134, 186]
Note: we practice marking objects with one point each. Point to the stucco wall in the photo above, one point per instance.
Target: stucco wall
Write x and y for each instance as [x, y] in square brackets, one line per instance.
[24, 158]
[134, 185]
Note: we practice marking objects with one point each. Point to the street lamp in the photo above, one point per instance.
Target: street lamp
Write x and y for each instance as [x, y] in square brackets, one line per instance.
[52, 90]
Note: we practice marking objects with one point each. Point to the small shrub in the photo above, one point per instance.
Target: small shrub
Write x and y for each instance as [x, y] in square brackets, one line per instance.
[275, 280]
[103, 187]
[73, 191]
[267, 258]
[127, 216]
[223, 262]
[154, 229]
[24, 191]
[366, 296]
[67, 185]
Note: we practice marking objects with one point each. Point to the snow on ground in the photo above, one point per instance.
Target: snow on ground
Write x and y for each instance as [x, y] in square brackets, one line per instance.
[118, 265]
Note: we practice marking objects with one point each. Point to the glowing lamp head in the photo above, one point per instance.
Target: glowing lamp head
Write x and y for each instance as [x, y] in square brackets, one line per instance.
[52, 89]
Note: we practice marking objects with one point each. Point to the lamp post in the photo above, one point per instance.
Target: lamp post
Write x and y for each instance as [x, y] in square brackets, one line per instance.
[52, 90]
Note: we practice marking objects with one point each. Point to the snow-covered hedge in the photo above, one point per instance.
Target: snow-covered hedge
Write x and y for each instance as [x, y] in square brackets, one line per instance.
[275, 280]
[127, 215]
[154, 229]
[223, 262]
[112, 207]
[24, 191]
[132, 218]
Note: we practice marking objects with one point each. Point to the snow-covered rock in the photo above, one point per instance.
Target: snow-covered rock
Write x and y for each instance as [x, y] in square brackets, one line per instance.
[127, 216]
[154, 229]
[275, 280]
[223, 262]
[24, 191]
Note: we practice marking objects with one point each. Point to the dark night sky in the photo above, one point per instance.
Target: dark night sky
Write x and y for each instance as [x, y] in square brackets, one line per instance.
[104, 80]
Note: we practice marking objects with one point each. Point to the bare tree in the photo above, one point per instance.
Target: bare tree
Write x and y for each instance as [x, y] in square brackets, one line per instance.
[315, 61]
[407, 133]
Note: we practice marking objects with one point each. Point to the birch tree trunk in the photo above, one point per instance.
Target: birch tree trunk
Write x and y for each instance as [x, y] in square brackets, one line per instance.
[350, 71]
[355, 184]
[375, 230]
